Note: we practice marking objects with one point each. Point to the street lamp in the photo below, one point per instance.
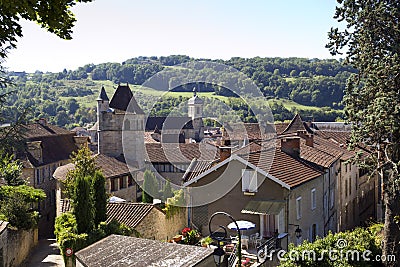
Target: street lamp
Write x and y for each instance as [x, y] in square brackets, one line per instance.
[298, 231]
[221, 236]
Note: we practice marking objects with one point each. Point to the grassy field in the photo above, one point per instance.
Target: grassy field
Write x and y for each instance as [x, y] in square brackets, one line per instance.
[95, 86]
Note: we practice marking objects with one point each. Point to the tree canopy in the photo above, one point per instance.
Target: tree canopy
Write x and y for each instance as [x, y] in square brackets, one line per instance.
[371, 43]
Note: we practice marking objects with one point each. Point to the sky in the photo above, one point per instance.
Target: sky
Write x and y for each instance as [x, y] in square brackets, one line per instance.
[116, 30]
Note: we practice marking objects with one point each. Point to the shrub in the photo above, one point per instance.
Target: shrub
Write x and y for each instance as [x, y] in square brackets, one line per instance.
[343, 243]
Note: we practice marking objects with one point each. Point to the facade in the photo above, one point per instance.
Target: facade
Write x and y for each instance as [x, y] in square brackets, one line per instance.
[349, 194]
[47, 148]
[269, 197]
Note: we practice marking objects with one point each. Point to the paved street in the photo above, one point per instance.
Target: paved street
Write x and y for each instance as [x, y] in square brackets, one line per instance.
[46, 254]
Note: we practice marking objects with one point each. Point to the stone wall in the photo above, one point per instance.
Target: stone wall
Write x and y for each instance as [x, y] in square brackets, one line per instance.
[156, 225]
[15, 245]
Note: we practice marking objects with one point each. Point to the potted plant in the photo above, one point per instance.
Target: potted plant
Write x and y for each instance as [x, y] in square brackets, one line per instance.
[206, 241]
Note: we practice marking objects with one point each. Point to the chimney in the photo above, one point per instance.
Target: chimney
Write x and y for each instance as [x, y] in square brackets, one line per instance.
[224, 152]
[291, 146]
[308, 137]
[81, 141]
[35, 149]
[42, 121]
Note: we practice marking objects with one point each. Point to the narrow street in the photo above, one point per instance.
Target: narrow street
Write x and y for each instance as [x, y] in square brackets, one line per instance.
[46, 254]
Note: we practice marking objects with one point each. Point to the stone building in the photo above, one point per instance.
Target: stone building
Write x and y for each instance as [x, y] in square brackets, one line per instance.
[46, 148]
[120, 181]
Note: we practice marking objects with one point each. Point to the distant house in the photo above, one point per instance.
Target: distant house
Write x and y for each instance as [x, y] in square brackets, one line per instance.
[119, 180]
[148, 219]
[118, 250]
[171, 160]
[350, 197]
[47, 147]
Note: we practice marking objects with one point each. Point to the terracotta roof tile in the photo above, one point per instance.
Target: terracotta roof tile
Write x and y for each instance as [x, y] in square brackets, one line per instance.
[180, 153]
[249, 131]
[130, 214]
[109, 166]
[168, 122]
[295, 125]
[35, 130]
[290, 170]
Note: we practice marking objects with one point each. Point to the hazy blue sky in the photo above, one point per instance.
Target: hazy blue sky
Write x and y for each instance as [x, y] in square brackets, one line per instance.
[116, 30]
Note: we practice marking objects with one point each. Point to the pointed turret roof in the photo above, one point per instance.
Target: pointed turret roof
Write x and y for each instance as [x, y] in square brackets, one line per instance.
[103, 95]
[295, 125]
[123, 100]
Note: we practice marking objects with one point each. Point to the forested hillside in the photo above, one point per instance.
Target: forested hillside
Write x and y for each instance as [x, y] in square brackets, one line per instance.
[68, 98]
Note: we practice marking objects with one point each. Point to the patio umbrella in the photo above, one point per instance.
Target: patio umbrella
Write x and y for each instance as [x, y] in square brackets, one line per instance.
[115, 199]
[243, 225]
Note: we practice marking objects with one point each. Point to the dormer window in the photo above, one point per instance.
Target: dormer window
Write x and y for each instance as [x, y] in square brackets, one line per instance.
[249, 180]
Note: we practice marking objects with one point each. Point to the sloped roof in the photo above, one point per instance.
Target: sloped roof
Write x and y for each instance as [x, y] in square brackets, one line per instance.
[54, 148]
[36, 130]
[103, 95]
[109, 166]
[180, 153]
[128, 213]
[168, 122]
[292, 171]
[249, 131]
[116, 250]
[295, 125]
[197, 167]
[123, 100]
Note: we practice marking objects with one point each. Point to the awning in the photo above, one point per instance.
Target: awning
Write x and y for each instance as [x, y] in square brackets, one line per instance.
[272, 207]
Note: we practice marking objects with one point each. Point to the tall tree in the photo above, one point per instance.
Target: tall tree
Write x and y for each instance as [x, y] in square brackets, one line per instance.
[371, 42]
[82, 204]
[150, 187]
[85, 165]
[99, 197]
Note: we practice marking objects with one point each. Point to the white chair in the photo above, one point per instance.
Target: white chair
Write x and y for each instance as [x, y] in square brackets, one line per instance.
[255, 239]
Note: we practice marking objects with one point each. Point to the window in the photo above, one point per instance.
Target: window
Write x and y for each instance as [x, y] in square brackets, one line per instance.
[130, 180]
[121, 182]
[313, 232]
[114, 184]
[298, 208]
[313, 199]
[345, 187]
[249, 181]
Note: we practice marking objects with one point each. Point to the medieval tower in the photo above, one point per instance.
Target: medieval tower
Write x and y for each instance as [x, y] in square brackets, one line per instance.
[195, 112]
[121, 126]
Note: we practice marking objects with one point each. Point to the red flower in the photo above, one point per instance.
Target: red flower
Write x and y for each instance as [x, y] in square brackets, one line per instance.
[186, 230]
